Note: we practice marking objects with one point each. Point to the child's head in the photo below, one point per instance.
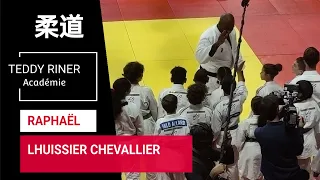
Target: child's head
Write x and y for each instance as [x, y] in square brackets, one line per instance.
[255, 105]
[133, 71]
[222, 72]
[298, 66]
[178, 75]
[197, 93]
[201, 76]
[121, 88]
[226, 83]
[170, 103]
[311, 57]
[270, 71]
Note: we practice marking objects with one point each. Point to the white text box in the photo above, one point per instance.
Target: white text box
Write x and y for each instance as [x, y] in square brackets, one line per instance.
[58, 120]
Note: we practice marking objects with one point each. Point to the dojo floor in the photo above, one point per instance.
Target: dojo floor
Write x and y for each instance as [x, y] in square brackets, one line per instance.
[162, 34]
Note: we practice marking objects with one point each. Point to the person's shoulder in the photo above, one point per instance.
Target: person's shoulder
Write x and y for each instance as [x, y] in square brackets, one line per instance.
[207, 109]
[164, 92]
[146, 89]
[296, 79]
[161, 120]
[209, 32]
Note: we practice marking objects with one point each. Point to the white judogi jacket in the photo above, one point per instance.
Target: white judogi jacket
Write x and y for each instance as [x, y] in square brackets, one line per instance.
[250, 152]
[220, 113]
[196, 114]
[174, 125]
[143, 97]
[314, 78]
[224, 56]
[130, 121]
[177, 90]
[310, 112]
[268, 88]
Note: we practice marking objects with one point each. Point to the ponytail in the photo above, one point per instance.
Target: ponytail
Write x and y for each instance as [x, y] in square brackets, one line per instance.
[121, 87]
[272, 69]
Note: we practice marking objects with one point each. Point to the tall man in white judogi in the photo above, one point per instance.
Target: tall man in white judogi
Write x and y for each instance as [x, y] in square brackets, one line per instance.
[218, 47]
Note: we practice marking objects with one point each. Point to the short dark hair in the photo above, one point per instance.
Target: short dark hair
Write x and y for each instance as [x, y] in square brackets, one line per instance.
[255, 105]
[301, 64]
[170, 103]
[226, 83]
[222, 72]
[306, 89]
[311, 57]
[201, 76]
[202, 136]
[133, 71]
[178, 75]
[121, 87]
[197, 93]
[269, 109]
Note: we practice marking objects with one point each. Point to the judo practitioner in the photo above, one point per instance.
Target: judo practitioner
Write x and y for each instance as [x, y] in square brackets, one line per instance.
[178, 126]
[220, 116]
[249, 149]
[308, 109]
[142, 96]
[197, 112]
[217, 48]
[128, 119]
[268, 73]
[311, 59]
[178, 78]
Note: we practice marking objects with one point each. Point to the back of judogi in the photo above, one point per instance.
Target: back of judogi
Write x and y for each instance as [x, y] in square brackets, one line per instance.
[249, 149]
[196, 114]
[172, 124]
[144, 98]
[220, 112]
[310, 112]
[177, 90]
[130, 121]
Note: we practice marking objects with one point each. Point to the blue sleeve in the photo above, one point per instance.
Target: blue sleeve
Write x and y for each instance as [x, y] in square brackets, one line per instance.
[257, 133]
[299, 142]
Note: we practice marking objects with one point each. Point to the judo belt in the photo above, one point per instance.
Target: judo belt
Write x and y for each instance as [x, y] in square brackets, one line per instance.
[147, 116]
[305, 130]
[231, 128]
[251, 139]
[209, 73]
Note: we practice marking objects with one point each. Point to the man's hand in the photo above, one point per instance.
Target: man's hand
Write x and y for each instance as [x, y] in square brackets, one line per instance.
[223, 36]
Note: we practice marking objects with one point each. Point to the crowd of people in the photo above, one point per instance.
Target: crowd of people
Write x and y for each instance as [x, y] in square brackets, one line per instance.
[260, 147]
